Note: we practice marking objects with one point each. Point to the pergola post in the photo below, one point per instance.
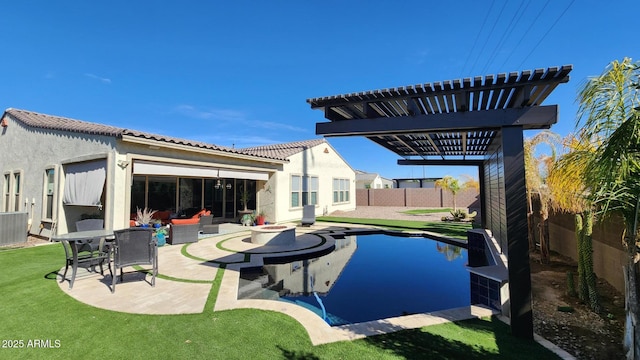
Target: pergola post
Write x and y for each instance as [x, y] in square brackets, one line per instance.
[517, 242]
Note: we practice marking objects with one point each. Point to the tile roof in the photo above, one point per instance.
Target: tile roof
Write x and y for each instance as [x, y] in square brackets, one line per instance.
[362, 175]
[284, 150]
[51, 122]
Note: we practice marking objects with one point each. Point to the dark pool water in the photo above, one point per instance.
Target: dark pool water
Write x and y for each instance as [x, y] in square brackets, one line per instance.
[369, 277]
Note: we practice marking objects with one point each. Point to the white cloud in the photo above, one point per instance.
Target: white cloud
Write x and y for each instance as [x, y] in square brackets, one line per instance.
[419, 57]
[234, 117]
[214, 114]
[276, 126]
[96, 77]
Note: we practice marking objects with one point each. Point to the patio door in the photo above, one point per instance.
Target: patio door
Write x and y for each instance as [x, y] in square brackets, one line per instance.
[229, 199]
[214, 197]
[218, 197]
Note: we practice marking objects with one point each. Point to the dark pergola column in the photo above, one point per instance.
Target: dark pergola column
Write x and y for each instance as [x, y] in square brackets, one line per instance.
[518, 244]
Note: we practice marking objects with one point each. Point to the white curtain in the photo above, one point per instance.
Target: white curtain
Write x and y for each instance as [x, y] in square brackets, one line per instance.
[84, 183]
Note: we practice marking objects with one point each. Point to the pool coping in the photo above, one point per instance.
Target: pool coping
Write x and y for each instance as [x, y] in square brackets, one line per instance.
[319, 331]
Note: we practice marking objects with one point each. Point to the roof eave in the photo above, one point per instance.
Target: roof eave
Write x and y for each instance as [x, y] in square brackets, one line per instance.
[181, 147]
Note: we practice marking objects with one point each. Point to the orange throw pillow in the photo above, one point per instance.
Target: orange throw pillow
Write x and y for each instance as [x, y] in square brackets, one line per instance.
[185, 221]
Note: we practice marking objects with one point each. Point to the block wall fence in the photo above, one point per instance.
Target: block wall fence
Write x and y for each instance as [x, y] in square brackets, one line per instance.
[417, 197]
[609, 255]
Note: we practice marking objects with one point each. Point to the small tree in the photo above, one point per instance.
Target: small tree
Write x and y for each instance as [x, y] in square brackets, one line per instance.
[609, 115]
[536, 171]
[451, 184]
[569, 193]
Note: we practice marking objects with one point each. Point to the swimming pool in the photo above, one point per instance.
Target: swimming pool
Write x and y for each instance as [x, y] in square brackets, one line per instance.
[367, 277]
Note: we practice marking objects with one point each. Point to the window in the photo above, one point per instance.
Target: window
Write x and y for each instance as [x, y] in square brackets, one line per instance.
[17, 199]
[84, 183]
[158, 193]
[49, 189]
[189, 196]
[340, 190]
[296, 186]
[7, 192]
[304, 190]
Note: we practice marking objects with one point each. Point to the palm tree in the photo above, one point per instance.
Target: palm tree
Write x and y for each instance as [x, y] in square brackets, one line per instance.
[536, 170]
[451, 252]
[451, 184]
[569, 193]
[610, 118]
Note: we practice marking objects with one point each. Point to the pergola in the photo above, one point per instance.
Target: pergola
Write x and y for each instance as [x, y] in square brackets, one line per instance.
[473, 121]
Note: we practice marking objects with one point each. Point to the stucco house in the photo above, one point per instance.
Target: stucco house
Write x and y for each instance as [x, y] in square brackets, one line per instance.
[59, 169]
[413, 183]
[366, 180]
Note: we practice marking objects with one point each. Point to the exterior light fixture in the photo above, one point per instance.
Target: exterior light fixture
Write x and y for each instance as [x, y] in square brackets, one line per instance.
[218, 185]
[228, 186]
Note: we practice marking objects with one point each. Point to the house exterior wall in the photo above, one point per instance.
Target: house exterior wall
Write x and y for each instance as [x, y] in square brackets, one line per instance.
[386, 183]
[315, 161]
[31, 151]
[363, 183]
[377, 182]
[133, 151]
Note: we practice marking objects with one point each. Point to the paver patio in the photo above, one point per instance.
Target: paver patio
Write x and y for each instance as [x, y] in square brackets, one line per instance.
[186, 274]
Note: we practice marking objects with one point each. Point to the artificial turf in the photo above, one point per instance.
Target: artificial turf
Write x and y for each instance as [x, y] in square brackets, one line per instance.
[34, 308]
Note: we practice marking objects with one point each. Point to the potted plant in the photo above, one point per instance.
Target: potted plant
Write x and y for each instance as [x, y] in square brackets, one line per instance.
[161, 234]
[144, 216]
[244, 198]
[260, 218]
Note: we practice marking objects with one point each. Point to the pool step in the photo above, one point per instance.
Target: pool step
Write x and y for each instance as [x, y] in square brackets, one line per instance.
[254, 290]
[258, 288]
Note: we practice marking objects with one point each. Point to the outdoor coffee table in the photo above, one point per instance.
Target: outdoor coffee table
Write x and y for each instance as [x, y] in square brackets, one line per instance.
[79, 238]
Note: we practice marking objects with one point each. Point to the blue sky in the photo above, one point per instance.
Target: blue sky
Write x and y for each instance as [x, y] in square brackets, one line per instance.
[239, 73]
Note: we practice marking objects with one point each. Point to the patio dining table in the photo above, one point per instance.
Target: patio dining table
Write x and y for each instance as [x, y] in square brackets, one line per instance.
[79, 238]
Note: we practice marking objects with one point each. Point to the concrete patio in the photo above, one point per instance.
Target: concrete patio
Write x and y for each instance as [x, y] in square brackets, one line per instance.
[187, 272]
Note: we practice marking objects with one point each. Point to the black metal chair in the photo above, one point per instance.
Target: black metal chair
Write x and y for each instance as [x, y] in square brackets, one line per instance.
[87, 255]
[308, 215]
[134, 246]
[91, 224]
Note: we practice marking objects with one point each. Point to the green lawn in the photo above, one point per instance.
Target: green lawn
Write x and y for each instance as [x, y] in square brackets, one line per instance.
[456, 230]
[426, 211]
[34, 308]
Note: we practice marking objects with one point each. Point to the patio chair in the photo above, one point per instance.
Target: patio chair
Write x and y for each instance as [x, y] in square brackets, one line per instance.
[90, 224]
[207, 226]
[91, 258]
[134, 246]
[184, 231]
[308, 215]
